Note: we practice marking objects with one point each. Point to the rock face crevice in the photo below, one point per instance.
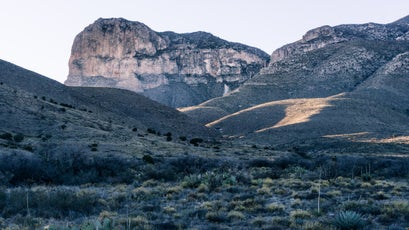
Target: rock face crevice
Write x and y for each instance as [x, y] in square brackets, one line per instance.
[174, 69]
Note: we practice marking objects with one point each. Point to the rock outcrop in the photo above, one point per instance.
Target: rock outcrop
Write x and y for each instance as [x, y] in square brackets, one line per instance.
[174, 69]
[326, 35]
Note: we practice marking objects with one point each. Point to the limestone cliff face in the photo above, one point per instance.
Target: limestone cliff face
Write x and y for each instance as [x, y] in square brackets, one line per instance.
[175, 69]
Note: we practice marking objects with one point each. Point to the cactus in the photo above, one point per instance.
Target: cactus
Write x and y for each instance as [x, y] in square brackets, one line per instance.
[347, 220]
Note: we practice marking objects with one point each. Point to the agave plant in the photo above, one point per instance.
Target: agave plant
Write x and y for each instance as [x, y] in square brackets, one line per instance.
[349, 220]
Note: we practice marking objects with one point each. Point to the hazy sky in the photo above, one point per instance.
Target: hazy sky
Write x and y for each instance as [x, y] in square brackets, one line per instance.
[38, 34]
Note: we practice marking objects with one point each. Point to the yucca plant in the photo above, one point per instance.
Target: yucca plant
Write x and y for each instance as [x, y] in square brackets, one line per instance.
[349, 220]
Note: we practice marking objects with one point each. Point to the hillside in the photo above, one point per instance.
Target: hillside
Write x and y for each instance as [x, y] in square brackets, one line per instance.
[345, 86]
[52, 117]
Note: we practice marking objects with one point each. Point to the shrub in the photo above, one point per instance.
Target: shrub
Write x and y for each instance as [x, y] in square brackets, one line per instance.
[397, 209]
[151, 130]
[235, 215]
[347, 220]
[148, 159]
[182, 138]
[191, 181]
[191, 165]
[6, 136]
[217, 217]
[196, 141]
[274, 207]
[300, 214]
[18, 137]
[258, 163]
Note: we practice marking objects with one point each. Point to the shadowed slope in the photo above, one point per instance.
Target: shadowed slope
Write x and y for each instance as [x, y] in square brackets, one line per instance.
[37, 107]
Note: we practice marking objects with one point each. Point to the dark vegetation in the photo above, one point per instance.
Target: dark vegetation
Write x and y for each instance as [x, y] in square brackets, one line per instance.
[68, 184]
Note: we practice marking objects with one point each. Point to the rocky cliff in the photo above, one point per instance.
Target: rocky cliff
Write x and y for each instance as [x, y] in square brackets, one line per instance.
[326, 35]
[174, 69]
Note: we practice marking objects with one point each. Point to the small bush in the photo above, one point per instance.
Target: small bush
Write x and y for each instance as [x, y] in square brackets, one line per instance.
[216, 217]
[182, 138]
[18, 137]
[151, 131]
[347, 220]
[196, 141]
[6, 136]
[300, 214]
[148, 159]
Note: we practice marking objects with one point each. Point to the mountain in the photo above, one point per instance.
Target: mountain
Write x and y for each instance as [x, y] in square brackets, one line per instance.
[346, 85]
[50, 115]
[174, 69]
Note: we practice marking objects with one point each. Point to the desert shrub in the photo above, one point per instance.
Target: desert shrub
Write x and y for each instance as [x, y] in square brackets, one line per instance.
[217, 217]
[7, 136]
[300, 214]
[290, 160]
[313, 225]
[392, 167]
[196, 141]
[347, 220]
[217, 179]
[148, 159]
[193, 165]
[235, 215]
[191, 181]
[182, 138]
[274, 207]
[18, 137]
[363, 207]
[397, 209]
[258, 163]
[21, 167]
[159, 172]
[49, 202]
[151, 131]
[72, 165]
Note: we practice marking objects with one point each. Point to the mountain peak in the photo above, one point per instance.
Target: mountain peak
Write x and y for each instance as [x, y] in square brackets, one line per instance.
[174, 69]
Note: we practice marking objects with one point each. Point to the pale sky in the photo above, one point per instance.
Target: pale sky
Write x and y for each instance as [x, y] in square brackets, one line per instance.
[38, 34]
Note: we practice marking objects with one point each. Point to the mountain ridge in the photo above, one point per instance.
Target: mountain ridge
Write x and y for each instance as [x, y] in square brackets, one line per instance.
[363, 66]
